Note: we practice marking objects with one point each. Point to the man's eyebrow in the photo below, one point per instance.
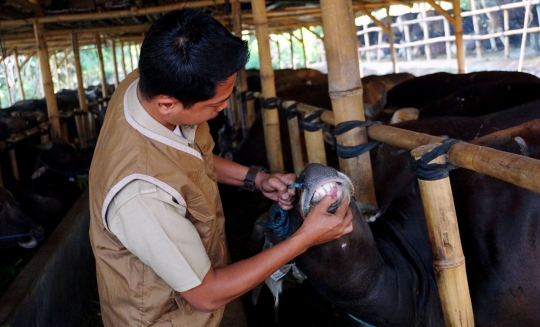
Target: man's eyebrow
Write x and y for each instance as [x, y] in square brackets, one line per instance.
[222, 100]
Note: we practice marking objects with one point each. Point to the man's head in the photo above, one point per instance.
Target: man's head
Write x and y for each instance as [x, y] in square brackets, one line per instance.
[186, 54]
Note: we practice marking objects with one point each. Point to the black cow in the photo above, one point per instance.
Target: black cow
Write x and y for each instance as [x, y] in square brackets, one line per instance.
[421, 91]
[382, 272]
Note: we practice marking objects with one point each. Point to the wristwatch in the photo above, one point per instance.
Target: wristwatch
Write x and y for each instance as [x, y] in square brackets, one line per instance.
[249, 181]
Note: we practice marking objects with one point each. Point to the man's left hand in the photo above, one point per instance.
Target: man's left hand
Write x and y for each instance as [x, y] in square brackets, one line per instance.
[274, 187]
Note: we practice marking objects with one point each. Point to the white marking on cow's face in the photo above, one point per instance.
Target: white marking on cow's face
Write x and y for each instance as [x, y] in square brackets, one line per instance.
[344, 245]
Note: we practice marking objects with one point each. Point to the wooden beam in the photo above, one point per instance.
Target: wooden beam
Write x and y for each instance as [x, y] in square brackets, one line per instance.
[35, 8]
[376, 21]
[130, 13]
[442, 12]
[314, 33]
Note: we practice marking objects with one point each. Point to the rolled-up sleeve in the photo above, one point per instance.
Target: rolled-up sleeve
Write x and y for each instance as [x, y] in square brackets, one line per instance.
[155, 229]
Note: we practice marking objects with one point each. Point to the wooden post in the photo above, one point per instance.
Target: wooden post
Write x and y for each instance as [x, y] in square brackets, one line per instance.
[427, 49]
[292, 51]
[83, 137]
[56, 78]
[476, 27]
[294, 137]
[134, 58]
[345, 90]
[391, 40]
[315, 145]
[130, 57]
[47, 82]
[379, 42]
[123, 59]
[524, 37]
[458, 31]
[105, 92]
[115, 62]
[448, 258]
[447, 34]
[66, 66]
[303, 46]
[407, 41]
[18, 71]
[278, 52]
[506, 38]
[270, 115]
[366, 42]
[8, 89]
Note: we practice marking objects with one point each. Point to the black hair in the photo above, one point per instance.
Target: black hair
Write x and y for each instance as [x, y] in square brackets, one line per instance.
[186, 54]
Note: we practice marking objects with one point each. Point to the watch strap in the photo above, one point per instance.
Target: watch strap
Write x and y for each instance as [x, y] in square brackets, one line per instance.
[249, 180]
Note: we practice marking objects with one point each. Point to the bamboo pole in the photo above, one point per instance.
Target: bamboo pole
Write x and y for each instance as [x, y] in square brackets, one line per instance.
[303, 46]
[524, 37]
[294, 138]
[506, 38]
[56, 78]
[133, 58]
[47, 82]
[28, 57]
[345, 90]
[66, 66]
[123, 60]
[458, 32]
[448, 258]
[315, 145]
[476, 27]
[391, 41]
[83, 137]
[447, 35]
[115, 62]
[270, 116]
[104, 90]
[292, 52]
[8, 89]
[427, 49]
[130, 55]
[18, 71]
[407, 41]
[13, 161]
[366, 42]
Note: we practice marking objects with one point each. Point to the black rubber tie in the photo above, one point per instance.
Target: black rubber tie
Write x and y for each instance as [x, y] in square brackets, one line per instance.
[432, 172]
[309, 125]
[269, 103]
[347, 152]
[348, 125]
[291, 112]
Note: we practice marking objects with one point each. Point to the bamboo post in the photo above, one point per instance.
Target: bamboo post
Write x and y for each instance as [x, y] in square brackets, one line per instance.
[44, 133]
[345, 90]
[123, 59]
[458, 32]
[506, 37]
[476, 27]
[407, 41]
[524, 37]
[448, 258]
[56, 78]
[66, 66]
[379, 42]
[427, 49]
[292, 51]
[83, 137]
[294, 138]
[130, 55]
[47, 82]
[245, 96]
[278, 51]
[13, 161]
[270, 114]
[391, 41]
[104, 90]
[315, 144]
[18, 71]
[447, 34]
[8, 89]
[303, 46]
[65, 132]
[115, 62]
[366, 42]
[133, 57]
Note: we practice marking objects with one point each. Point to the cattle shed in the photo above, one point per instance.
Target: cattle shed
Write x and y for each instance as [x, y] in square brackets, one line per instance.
[45, 29]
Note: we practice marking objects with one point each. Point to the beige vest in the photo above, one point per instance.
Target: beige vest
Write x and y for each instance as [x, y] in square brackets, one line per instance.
[131, 294]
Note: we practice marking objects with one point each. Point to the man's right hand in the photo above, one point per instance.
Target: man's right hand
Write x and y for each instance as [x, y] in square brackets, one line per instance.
[320, 226]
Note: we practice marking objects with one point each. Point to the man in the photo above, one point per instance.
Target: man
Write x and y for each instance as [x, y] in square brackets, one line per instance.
[156, 219]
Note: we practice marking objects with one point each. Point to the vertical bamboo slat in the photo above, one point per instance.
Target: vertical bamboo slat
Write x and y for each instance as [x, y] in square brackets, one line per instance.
[303, 46]
[292, 52]
[8, 89]
[506, 38]
[345, 90]
[366, 41]
[134, 58]
[448, 258]
[56, 78]
[104, 90]
[476, 27]
[524, 36]
[115, 62]
[407, 40]
[458, 32]
[270, 117]
[447, 34]
[130, 57]
[391, 40]
[66, 66]
[427, 49]
[80, 89]
[18, 71]
[123, 59]
[47, 82]
[296, 144]
[315, 145]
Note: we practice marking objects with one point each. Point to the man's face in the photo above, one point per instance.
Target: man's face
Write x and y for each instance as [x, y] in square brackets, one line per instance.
[203, 111]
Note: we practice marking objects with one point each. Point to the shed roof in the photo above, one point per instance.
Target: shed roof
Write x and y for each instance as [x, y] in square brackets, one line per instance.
[127, 20]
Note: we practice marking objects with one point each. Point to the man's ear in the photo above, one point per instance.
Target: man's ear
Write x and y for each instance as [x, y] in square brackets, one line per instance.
[166, 104]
